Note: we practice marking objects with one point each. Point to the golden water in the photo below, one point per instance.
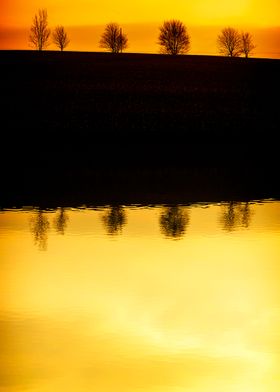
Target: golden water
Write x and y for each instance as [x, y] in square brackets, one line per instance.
[131, 298]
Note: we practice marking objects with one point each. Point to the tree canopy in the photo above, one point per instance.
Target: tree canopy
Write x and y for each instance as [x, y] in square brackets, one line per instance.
[113, 38]
[40, 33]
[174, 38]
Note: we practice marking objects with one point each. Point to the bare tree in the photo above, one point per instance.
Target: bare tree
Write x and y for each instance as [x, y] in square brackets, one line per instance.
[173, 222]
[114, 219]
[39, 228]
[247, 45]
[39, 32]
[235, 215]
[60, 221]
[174, 38]
[60, 37]
[229, 42]
[113, 38]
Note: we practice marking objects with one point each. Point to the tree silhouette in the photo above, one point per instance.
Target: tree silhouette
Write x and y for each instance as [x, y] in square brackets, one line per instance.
[113, 38]
[235, 215]
[39, 32]
[60, 37]
[114, 220]
[39, 228]
[173, 222]
[246, 44]
[60, 221]
[173, 37]
[229, 42]
[246, 214]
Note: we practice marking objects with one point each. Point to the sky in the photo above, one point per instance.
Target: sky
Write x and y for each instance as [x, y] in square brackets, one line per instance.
[140, 19]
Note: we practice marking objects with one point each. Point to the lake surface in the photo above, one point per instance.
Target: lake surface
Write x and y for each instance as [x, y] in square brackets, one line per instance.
[141, 298]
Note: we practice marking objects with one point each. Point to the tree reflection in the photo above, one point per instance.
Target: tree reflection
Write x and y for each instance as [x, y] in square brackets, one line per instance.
[60, 221]
[114, 219]
[236, 214]
[39, 227]
[173, 222]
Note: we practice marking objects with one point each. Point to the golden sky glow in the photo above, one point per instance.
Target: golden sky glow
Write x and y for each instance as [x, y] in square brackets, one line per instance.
[139, 311]
[88, 12]
[85, 20]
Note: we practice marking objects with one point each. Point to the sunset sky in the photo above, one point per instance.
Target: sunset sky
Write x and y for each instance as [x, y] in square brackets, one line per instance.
[85, 21]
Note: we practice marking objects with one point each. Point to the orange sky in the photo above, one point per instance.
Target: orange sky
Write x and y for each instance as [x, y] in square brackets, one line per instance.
[85, 21]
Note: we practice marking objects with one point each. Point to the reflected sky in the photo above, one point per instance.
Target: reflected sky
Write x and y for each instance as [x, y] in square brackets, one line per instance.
[139, 311]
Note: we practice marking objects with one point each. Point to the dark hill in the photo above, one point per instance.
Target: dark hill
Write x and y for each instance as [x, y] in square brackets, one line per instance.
[89, 112]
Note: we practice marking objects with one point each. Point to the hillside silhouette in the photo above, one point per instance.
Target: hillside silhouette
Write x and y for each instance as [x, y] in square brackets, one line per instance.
[76, 113]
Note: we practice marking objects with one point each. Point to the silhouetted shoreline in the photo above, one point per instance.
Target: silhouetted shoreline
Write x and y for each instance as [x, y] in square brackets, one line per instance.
[82, 97]
[138, 186]
[83, 127]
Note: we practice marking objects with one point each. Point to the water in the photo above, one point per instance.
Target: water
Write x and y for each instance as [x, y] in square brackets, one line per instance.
[141, 298]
